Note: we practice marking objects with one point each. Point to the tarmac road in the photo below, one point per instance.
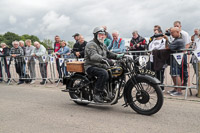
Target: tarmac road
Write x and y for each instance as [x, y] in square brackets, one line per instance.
[40, 109]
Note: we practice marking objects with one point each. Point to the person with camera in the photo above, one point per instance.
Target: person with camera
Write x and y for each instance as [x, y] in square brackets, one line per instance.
[176, 69]
[96, 56]
[158, 28]
[158, 43]
[186, 38]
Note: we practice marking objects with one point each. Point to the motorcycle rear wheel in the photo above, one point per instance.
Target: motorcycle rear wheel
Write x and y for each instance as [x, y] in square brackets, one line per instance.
[73, 84]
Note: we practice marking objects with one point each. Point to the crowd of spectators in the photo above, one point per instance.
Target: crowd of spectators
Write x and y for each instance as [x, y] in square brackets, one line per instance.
[173, 39]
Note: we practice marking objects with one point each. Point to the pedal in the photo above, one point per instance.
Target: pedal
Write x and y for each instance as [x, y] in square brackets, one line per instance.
[125, 105]
[65, 90]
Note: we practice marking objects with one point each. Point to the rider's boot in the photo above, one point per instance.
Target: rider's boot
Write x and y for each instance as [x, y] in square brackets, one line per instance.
[97, 97]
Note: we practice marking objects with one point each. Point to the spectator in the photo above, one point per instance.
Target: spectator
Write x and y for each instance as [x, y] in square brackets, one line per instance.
[1, 74]
[39, 52]
[31, 61]
[118, 44]
[194, 60]
[195, 36]
[107, 41]
[57, 46]
[137, 43]
[76, 35]
[63, 51]
[108, 35]
[186, 39]
[175, 70]
[21, 44]
[6, 52]
[158, 28]
[79, 47]
[157, 43]
[17, 53]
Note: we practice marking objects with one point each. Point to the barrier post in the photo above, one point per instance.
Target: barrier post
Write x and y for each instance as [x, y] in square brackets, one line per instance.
[198, 95]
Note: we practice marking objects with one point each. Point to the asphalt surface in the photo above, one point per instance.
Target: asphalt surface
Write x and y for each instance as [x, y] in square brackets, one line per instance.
[45, 109]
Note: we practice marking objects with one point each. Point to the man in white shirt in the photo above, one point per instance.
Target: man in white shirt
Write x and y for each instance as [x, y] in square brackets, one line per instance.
[39, 52]
[186, 39]
[195, 36]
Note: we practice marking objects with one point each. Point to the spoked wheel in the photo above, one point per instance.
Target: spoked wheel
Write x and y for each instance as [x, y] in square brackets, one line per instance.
[148, 100]
[75, 93]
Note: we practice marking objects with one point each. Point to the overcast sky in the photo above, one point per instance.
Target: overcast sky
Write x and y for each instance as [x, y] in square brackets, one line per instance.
[47, 18]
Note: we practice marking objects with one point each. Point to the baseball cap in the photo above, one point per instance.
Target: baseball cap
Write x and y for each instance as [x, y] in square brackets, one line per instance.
[76, 34]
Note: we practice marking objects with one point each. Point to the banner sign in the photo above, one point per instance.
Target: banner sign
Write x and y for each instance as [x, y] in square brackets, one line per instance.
[61, 60]
[178, 57]
[197, 54]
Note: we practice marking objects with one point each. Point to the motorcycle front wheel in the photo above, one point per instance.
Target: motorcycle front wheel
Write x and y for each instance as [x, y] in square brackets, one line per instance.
[147, 99]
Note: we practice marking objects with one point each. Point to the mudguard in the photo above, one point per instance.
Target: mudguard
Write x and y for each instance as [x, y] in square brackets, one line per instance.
[67, 79]
[151, 79]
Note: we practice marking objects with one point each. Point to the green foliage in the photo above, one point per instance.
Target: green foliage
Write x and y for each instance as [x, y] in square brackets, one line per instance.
[70, 44]
[48, 43]
[9, 37]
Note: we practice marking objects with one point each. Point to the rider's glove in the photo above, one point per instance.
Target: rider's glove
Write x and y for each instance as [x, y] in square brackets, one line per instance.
[119, 56]
[110, 62]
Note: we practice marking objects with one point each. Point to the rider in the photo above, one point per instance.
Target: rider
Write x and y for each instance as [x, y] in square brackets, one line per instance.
[96, 54]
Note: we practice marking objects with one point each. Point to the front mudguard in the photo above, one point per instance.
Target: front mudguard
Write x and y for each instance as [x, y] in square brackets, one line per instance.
[138, 77]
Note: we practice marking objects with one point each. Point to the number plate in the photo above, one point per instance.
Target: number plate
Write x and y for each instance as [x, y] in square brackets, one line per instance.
[147, 71]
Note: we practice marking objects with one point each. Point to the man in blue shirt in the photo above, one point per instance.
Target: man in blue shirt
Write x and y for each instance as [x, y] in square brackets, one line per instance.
[118, 44]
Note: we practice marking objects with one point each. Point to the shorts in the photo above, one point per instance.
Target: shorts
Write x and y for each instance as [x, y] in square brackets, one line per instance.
[175, 68]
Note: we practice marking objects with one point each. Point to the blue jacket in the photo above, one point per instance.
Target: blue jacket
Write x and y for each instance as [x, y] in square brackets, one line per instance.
[114, 46]
[64, 51]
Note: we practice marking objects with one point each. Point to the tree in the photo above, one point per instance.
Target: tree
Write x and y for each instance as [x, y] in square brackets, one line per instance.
[48, 42]
[9, 37]
[70, 44]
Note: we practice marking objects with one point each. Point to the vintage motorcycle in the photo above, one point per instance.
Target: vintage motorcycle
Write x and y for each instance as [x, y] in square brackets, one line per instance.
[141, 91]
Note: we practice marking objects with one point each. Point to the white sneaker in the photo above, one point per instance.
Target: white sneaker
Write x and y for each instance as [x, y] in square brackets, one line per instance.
[32, 82]
[176, 94]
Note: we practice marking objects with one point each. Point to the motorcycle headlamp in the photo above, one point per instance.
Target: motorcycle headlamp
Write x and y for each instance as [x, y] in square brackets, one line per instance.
[142, 60]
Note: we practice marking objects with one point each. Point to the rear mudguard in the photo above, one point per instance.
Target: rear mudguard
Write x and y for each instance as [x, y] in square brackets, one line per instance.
[68, 79]
[138, 77]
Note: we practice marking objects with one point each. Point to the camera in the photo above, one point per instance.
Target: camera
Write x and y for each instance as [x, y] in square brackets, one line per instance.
[158, 35]
[168, 33]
